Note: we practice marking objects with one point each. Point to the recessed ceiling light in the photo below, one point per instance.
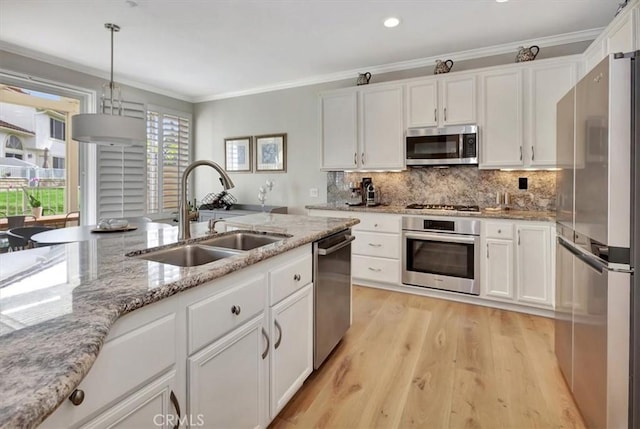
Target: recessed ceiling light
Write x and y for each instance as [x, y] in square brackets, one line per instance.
[502, 1]
[391, 22]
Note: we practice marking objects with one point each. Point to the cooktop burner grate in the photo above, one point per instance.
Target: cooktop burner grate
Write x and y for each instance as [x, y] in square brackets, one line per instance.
[447, 207]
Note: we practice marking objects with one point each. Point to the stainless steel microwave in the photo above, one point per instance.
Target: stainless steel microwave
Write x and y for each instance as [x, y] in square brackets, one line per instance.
[442, 146]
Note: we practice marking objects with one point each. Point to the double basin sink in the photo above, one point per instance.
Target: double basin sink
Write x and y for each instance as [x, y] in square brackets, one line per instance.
[210, 249]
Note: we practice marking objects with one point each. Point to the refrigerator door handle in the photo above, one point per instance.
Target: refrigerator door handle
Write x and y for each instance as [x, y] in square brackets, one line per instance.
[591, 262]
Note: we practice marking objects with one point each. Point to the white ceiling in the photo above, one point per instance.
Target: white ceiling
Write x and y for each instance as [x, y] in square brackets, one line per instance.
[206, 49]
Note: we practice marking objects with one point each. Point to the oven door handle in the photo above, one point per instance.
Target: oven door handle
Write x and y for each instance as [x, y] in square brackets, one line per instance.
[447, 238]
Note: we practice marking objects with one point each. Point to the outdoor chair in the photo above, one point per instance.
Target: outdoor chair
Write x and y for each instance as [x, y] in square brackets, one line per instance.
[71, 219]
[20, 238]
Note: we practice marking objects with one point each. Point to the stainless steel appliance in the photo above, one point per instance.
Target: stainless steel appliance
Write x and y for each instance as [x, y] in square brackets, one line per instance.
[442, 146]
[441, 253]
[332, 293]
[595, 220]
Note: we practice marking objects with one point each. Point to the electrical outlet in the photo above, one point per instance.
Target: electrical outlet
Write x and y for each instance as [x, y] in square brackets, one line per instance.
[313, 192]
[523, 183]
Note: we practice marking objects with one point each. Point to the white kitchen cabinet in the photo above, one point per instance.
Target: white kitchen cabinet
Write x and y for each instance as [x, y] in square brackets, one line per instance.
[376, 251]
[441, 101]
[502, 118]
[548, 83]
[621, 35]
[422, 103]
[363, 128]
[339, 128]
[534, 265]
[498, 272]
[458, 100]
[517, 265]
[292, 347]
[498, 260]
[141, 346]
[228, 379]
[381, 128]
[155, 405]
[518, 112]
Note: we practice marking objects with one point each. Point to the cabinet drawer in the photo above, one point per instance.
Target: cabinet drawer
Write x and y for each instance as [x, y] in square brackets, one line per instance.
[210, 318]
[499, 230]
[373, 244]
[123, 364]
[376, 269]
[378, 223]
[285, 280]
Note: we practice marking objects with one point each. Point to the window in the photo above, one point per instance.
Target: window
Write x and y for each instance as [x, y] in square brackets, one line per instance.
[168, 151]
[56, 129]
[13, 147]
[58, 162]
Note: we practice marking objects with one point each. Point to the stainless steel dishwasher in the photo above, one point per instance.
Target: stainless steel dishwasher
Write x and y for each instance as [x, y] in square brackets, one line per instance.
[332, 296]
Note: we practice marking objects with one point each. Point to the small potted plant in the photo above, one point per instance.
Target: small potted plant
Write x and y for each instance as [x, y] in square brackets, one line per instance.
[35, 203]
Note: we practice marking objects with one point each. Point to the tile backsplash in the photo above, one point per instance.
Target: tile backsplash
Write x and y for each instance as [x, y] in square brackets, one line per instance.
[454, 185]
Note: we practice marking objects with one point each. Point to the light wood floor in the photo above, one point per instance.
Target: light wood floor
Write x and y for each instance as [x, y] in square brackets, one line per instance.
[415, 362]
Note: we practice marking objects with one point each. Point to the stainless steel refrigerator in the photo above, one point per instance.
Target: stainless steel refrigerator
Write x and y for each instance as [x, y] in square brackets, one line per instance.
[596, 213]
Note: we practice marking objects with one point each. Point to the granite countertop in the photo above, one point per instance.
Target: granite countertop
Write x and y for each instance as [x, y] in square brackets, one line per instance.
[544, 216]
[58, 303]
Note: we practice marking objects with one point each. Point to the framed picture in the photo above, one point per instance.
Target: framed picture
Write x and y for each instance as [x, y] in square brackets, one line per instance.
[271, 152]
[237, 154]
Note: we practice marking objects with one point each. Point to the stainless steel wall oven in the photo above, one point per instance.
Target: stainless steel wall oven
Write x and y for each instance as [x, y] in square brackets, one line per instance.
[441, 253]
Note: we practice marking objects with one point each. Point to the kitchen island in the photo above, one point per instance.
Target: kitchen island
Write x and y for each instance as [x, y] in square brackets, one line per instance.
[58, 304]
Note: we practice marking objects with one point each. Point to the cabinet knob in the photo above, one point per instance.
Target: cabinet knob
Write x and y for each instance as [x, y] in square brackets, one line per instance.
[77, 397]
[236, 309]
[499, 231]
[297, 277]
[375, 225]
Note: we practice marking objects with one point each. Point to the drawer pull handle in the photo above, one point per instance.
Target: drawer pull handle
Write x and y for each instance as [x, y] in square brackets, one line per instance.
[375, 245]
[77, 397]
[176, 405]
[377, 270]
[235, 309]
[266, 350]
[277, 344]
[297, 277]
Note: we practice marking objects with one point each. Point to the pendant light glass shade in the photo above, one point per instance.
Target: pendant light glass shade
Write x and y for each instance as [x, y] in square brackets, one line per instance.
[110, 126]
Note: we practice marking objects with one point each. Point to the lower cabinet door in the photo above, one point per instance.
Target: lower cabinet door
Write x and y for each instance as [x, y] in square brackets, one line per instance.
[534, 261]
[498, 272]
[292, 348]
[153, 406]
[227, 380]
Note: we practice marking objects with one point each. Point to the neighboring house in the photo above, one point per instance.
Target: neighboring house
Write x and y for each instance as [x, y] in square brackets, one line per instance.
[34, 135]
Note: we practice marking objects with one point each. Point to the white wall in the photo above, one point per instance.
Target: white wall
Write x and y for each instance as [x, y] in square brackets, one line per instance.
[292, 111]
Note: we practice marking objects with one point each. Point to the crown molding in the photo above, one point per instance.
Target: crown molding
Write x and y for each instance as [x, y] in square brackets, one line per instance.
[506, 48]
[56, 61]
[560, 39]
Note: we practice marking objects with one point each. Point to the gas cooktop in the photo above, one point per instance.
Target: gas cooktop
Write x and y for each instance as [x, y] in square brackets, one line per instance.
[446, 207]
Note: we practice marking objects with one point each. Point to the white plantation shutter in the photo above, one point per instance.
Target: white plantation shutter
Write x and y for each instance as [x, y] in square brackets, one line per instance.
[121, 176]
[168, 155]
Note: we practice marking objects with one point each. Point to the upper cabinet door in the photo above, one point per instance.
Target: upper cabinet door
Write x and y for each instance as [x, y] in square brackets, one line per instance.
[501, 124]
[458, 100]
[422, 104]
[547, 85]
[382, 128]
[339, 128]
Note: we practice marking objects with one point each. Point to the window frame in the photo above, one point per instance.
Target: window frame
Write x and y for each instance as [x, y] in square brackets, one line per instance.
[162, 111]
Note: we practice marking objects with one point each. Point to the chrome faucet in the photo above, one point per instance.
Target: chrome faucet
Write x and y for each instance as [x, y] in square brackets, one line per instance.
[184, 231]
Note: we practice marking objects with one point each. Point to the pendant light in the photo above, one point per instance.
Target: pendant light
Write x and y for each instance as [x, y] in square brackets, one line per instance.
[110, 126]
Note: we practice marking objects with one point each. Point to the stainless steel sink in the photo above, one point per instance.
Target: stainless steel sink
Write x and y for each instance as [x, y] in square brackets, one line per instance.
[188, 255]
[243, 240]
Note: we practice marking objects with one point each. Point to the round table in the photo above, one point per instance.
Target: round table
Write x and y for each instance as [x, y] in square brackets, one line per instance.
[84, 233]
